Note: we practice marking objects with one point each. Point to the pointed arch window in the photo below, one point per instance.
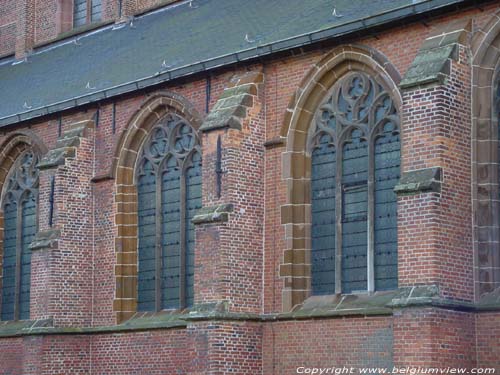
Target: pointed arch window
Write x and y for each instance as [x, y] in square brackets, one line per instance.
[19, 208]
[355, 156]
[168, 177]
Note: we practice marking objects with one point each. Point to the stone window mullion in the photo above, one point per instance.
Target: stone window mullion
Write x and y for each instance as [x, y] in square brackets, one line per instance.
[182, 244]
[158, 241]
[339, 209]
[495, 251]
[371, 216]
[19, 238]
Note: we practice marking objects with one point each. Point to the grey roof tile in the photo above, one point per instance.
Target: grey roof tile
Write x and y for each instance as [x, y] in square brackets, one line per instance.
[172, 42]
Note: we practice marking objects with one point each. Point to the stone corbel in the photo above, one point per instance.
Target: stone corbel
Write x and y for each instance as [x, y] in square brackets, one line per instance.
[47, 239]
[420, 181]
[214, 214]
[234, 104]
[431, 66]
[66, 145]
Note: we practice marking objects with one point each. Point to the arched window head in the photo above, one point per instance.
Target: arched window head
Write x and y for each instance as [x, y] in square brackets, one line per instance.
[168, 176]
[355, 155]
[19, 209]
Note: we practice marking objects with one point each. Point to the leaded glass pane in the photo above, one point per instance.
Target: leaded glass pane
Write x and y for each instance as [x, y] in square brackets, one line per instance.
[96, 13]
[354, 213]
[28, 231]
[323, 217]
[79, 12]
[387, 171]
[193, 204]
[146, 188]
[9, 260]
[171, 234]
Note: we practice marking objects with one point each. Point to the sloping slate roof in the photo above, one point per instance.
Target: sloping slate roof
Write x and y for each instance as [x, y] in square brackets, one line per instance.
[176, 41]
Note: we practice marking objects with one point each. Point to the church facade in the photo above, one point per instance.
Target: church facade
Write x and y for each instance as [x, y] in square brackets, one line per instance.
[249, 187]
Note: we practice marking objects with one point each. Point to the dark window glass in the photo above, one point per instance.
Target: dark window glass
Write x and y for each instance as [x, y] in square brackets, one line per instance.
[96, 11]
[86, 11]
[323, 185]
[79, 12]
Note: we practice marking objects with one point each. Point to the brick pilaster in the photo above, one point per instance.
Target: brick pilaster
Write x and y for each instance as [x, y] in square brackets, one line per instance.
[229, 251]
[434, 205]
[128, 8]
[435, 236]
[62, 253]
[25, 27]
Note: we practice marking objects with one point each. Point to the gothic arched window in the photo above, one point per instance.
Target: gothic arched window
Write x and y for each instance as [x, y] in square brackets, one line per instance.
[169, 193]
[19, 207]
[355, 153]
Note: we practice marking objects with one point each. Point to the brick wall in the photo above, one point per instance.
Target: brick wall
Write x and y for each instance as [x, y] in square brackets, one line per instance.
[200, 348]
[46, 20]
[68, 297]
[7, 26]
[155, 352]
[238, 261]
[237, 244]
[434, 338]
[435, 236]
[355, 342]
[11, 355]
[488, 345]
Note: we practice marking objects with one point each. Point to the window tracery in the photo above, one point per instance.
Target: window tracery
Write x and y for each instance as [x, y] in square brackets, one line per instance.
[355, 153]
[169, 193]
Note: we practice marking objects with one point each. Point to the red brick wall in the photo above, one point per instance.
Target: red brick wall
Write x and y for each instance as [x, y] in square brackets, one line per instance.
[72, 289]
[137, 6]
[7, 26]
[76, 284]
[200, 348]
[46, 20]
[488, 339]
[7, 12]
[353, 342]
[155, 352]
[237, 244]
[242, 238]
[234, 348]
[434, 338]
[435, 234]
[105, 256]
[11, 356]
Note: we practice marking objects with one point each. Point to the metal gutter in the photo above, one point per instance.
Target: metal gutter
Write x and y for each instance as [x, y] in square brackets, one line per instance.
[240, 56]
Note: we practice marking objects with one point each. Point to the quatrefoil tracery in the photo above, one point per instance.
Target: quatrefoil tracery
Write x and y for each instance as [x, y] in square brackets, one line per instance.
[172, 137]
[23, 178]
[356, 102]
